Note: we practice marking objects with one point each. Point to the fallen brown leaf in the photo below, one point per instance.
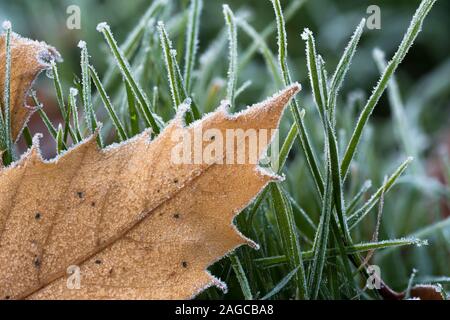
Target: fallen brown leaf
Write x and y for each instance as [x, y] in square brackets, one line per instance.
[28, 59]
[426, 292]
[137, 225]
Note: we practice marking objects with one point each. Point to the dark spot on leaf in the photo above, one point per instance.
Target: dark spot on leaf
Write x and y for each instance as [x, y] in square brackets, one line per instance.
[175, 180]
[158, 190]
[80, 194]
[213, 138]
[93, 204]
[176, 215]
[37, 262]
[7, 297]
[37, 216]
[98, 261]
[184, 264]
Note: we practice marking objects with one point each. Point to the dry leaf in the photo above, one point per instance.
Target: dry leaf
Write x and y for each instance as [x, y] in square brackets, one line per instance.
[137, 225]
[427, 292]
[28, 59]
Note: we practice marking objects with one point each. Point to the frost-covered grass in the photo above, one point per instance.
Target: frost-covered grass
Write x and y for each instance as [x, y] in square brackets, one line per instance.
[321, 228]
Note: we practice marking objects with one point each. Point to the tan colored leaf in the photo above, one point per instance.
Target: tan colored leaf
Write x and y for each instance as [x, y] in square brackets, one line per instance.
[137, 224]
[28, 59]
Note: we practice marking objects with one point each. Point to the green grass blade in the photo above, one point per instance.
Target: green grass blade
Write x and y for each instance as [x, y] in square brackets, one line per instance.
[342, 68]
[398, 109]
[155, 98]
[58, 88]
[313, 71]
[288, 143]
[255, 206]
[424, 232]
[6, 119]
[232, 39]
[169, 58]
[242, 278]
[60, 147]
[323, 79]
[267, 54]
[355, 218]
[321, 241]
[280, 285]
[132, 112]
[150, 119]
[27, 137]
[411, 34]
[357, 198]
[410, 284]
[208, 62]
[65, 113]
[303, 135]
[73, 106]
[108, 105]
[67, 128]
[289, 236]
[51, 129]
[336, 179]
[194, 113]
[132, 42]
[344, 262]
[276, 165]
[269, 262]
[177, 88]
[242, 88]
[432, 279]
[290, 12]
[86, 94]
[302, 212]
[192, 41]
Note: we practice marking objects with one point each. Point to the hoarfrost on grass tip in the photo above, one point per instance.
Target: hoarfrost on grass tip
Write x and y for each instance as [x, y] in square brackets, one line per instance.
[81, 44]
[305, 34]
[102, 26]
[6, 25]
[73, 91]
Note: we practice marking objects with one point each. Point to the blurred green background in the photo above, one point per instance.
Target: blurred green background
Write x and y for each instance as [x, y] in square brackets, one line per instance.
[424, 82]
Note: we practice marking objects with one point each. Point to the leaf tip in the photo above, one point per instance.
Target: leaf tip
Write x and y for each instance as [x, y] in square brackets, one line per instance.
[283, 97]
[296, 87]
[269, 175]
[35, 146]
[217, 283]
